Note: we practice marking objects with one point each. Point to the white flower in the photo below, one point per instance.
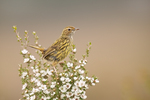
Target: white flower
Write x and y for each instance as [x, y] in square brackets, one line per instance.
[44, 79]
[69, 94]
[34, 90]
[24, 51]
[24, 74]
[31, 93]
[63, 88]
[75, 78]
[48, 98]
[74, 88]
[66, 74]
[92, 80]
[71, 99]
[24, 86]
[53, 93]
[82, 77]
[45, 98]
[69, 64]
[78, 92]
[68, 79]
[35, 70]
[81, 83]
[75, 73]
[37, 74]
[55, 98]
[27, 96]
[74, 50]
[34, 32]
[54, 83]
[83, 96]
[32, 67]
[43, 72]
[62, 78]
[62, 96]
[77, 67]
[63, 82]
[52, 86]
[84, 62]
[33, 79]
[93, 84]
[81, 71]
[36, 80]
[68, 85]
[32, 97]
[60, 74]
[36, 67]
[43, 87]
[46, 91]
[97, 81]
[71, 74]
[49, 72]
[26, 31]
[38, 83]
[76, 83]
[86, 86]
[76, 98]
[32, 57]
[26, 60]
[26, 91]
[88, 78]
[79, 61]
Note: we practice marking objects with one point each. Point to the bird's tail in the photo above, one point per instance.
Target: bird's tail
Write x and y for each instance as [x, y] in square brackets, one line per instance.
[38, 48]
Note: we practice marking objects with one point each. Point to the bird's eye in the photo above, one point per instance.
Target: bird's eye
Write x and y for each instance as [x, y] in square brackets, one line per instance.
[69, 29]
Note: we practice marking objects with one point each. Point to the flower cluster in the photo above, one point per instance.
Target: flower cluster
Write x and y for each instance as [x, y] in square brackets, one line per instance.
[41, 82]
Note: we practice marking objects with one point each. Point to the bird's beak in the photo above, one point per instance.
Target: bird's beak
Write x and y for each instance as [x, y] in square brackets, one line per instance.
[76, 29]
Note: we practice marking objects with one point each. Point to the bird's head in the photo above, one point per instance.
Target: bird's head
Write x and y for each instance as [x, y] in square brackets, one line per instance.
[69, 31]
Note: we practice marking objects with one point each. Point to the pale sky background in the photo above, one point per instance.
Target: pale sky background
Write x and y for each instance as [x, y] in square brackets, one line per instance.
[118, 29]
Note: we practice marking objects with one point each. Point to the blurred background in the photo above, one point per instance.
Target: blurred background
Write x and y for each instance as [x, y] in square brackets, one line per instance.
[118, 29]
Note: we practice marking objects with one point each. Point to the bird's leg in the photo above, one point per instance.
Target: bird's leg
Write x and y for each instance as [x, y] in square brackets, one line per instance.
[54, 64]
[54, 69]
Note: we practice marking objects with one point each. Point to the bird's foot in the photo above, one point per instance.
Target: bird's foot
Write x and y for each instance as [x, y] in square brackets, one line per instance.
[55, 69]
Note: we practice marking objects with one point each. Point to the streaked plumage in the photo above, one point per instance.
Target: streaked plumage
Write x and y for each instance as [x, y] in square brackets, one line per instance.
[60, 48]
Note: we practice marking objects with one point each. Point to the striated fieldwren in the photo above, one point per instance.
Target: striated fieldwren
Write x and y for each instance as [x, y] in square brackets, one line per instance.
[60, 48]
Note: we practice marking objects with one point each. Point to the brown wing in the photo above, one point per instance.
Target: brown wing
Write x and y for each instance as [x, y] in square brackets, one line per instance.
[53, 53]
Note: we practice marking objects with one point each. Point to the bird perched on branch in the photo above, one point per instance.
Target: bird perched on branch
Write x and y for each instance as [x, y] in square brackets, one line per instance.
[60, 48]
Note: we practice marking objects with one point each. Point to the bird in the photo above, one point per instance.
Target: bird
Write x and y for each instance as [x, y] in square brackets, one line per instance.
[60, 48]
